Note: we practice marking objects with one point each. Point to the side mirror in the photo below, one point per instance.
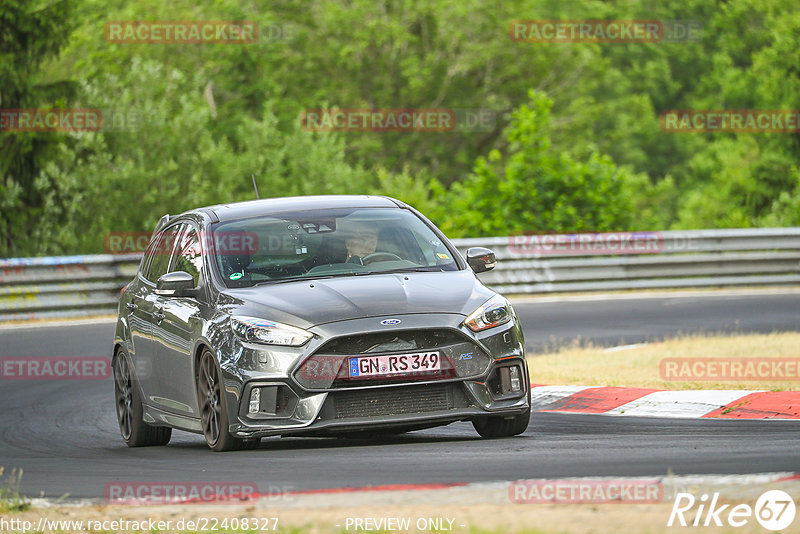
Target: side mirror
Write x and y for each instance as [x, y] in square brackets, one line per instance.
[177, 284]
[481, 259]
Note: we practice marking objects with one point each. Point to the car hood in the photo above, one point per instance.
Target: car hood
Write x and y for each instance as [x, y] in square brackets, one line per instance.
[309, 303]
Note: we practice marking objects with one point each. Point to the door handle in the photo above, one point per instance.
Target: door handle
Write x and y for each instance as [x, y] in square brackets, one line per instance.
[131, 306]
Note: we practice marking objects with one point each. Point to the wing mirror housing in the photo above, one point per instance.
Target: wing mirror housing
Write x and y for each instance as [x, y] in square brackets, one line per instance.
[481, 259]
[176, 284]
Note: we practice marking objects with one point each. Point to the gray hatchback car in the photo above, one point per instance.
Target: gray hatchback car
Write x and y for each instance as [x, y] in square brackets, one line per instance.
[319, 315]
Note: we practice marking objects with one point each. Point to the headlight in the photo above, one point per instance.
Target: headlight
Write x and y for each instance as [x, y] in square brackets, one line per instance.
[268, 332]
[494, 312]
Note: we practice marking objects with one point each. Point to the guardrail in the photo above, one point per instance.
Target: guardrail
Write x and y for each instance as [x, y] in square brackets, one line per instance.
[74, 286]
[679, 259]
[66, 286]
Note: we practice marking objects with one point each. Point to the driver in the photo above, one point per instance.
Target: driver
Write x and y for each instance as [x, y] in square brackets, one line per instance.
[362, 241]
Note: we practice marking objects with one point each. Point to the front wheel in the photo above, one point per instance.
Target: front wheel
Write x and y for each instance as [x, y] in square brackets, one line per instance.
[134, 430]
[499, 426]
[502, 427]
[213, 413]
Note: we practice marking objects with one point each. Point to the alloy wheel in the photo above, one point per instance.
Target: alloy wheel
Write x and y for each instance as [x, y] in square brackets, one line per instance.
[124, 387]
[211, 409]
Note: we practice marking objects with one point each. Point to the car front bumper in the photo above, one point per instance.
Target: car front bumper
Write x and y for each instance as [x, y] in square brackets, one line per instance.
[292, 401]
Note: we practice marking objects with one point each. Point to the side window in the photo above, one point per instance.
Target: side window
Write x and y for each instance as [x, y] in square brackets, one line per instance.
[162, 250]
[148, 255]
[188, 255]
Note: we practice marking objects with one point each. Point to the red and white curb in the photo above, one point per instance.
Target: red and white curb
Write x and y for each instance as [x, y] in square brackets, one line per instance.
[722, 404]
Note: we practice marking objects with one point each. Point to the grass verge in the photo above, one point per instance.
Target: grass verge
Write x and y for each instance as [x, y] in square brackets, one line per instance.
[11, 500]
[639, 366]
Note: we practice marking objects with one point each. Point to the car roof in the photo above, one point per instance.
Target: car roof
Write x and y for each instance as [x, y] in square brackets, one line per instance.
[268, 206]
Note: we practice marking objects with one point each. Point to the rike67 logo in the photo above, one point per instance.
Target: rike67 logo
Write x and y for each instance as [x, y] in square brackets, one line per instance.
[774, 510]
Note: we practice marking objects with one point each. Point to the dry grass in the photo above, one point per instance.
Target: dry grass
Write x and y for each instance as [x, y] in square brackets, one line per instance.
[475, 518]
[639, 366]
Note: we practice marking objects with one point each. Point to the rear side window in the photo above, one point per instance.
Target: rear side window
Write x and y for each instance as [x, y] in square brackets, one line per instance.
[189, 257]
[161, 252]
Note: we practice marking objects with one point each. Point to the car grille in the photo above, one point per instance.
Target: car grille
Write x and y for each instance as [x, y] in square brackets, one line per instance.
[402, 400]
[401, 341]
[327, 367]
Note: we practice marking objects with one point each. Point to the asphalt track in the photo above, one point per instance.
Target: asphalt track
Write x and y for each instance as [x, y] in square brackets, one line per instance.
[64, 436]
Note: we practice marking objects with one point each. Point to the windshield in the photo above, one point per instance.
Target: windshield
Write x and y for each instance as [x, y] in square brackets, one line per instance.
[326, 243]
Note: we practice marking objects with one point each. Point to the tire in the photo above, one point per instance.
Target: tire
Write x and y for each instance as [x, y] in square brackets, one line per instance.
[213, 409]
[500, 426]
[135, 432]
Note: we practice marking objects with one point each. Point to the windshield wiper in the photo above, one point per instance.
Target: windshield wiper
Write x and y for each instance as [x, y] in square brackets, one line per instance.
[354, 273]
[294, 279]
[306, 278]
[410, 270]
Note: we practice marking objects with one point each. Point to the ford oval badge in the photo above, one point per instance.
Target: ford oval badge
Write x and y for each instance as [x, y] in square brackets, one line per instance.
[390, 322]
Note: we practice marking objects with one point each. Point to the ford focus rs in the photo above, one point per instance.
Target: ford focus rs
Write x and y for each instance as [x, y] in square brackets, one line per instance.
[327, 315]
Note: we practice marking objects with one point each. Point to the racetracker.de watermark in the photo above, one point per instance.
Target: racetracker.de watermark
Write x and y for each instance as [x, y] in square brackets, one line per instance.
[399, 120]
[730, 120]
[141, 492]
[51, 120]
[585, 491]
[79, 120]
[724, 369]
[222, 243]
[132, 120]
[324, 368]
[604, 31]
[145, 524]
[591, 243]
[181, 32]
[55, 368]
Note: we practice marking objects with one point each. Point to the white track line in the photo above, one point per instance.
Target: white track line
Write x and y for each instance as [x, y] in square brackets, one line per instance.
[685, 404]
[543, 396]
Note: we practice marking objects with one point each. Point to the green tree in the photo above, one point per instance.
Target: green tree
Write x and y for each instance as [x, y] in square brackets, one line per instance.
[594, 157]
[33, 32]
[161, 152]
[533, 188]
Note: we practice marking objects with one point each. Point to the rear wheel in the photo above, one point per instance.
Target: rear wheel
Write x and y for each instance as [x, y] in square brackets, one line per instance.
[134, 430]
[213, 413]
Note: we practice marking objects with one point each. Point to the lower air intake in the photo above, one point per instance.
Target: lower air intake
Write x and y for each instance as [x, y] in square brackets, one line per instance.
[397, 401]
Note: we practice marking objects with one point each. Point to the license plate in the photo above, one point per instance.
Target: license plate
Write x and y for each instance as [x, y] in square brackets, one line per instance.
[394, 364]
